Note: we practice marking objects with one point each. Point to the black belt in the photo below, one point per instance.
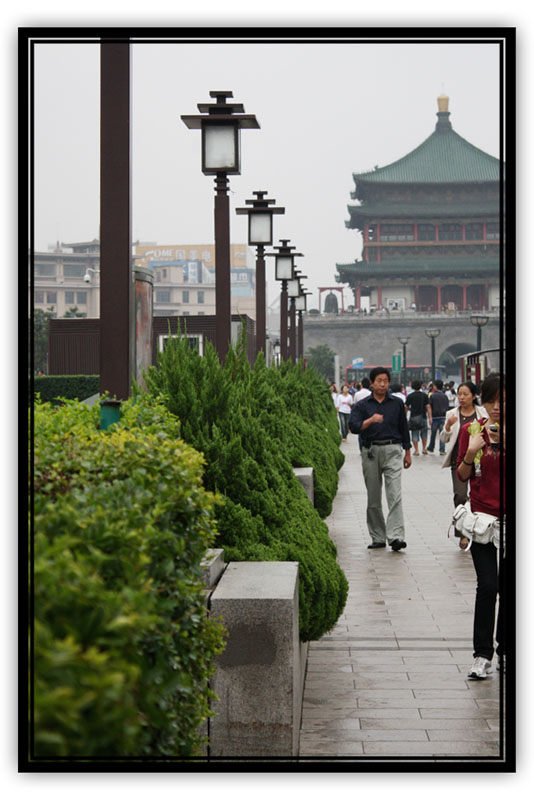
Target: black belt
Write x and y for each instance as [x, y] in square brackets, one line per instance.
[380, 442]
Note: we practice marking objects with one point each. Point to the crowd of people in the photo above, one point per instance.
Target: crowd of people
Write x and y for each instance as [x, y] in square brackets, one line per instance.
[469, 424]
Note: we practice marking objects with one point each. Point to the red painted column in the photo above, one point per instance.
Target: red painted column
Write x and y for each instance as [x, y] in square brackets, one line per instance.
[379, 300]
[358, 297]
[464, 296]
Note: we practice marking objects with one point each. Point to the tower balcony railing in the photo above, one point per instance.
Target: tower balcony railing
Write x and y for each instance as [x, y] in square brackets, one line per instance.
[493, 314]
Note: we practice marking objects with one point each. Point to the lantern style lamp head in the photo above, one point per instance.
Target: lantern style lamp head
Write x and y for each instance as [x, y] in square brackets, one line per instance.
[220, 133]
[276, 347]
[294, 288]
[300, 302]
[284, 260]
[479, 320]
[433, 332]
[404, 339]
[260, 219]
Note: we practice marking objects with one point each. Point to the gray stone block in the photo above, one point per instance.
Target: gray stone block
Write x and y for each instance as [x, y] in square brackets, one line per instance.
[305, 476]
[212, 566]
[258, 676]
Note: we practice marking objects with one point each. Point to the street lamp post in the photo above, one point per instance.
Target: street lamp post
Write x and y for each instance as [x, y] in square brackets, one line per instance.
[479, 320]
[433, 333]
[300, 307]
[293, 291]
[260, 234]
[276, 347]
[404, 341]
[220, 124]
[284, 273]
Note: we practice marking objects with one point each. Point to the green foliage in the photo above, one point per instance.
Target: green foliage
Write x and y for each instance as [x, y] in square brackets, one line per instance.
[253, 426]
[72, 387]
[321, 358]
[123, 647]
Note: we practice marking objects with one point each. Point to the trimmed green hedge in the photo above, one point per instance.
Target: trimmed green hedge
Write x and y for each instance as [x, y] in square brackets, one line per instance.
[253, 426]
[123, 647]
[73, 387]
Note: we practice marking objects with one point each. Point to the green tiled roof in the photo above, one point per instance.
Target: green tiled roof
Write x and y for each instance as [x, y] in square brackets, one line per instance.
[421, 210]
[445, 157]
[424, 266]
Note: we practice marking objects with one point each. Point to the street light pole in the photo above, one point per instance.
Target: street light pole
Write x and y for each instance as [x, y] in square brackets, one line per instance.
[284, 272]
[404, 341]
[479, 320]
[220, 124]
[260, 234]
[433, 333]
[294, 290]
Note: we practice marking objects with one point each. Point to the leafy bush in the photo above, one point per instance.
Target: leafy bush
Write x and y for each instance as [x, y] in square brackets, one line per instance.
[253, 426]
[73, 387]
[123, 647]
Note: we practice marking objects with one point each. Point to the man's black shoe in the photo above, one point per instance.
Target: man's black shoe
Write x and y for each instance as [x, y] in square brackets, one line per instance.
[375, 544]
[397, 545]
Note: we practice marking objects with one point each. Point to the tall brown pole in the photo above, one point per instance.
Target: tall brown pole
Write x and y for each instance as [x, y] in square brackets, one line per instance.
[292, 332]
[260, 299]
[300, 349]
[117, 310]
[283, 321]
[223, 326]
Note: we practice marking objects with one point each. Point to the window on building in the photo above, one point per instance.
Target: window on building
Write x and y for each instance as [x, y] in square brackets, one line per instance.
[45, 270]
[474, 230]
[193, 254]
[74, 270]
[38, 297]
[426, 232]
[450, 232]
[185, 296]
[493, 230]
[396, 233]
[200, 297]
[81, 298]
[206, 256]
[51, 297]
[158, 276]
[372, 254]
[69, 298]
[201, 313]
[164, 274]
[372, 233]
[163, 296]
[185, 313]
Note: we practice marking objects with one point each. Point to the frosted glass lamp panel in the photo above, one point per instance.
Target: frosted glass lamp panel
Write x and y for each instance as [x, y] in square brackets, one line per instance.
[260, 228]
[220, 148]
[293, 288]
[284, 268]
[300, 302]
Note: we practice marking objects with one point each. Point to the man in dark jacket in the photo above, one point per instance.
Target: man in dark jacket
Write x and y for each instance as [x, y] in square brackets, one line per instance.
[439, 403]
[380, 419]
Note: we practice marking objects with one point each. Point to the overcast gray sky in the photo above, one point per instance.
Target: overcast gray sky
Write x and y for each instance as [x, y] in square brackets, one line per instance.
[325, 110]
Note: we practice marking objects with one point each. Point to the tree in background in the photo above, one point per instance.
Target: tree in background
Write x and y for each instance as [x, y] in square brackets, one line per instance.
[39, 339]
[73, 312]
[322, 359]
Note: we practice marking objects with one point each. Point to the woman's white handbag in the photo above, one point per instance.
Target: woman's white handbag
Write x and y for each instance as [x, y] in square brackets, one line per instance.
[476, 526]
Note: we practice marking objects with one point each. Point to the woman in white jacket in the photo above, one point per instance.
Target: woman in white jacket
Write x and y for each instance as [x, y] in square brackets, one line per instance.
[455, 418]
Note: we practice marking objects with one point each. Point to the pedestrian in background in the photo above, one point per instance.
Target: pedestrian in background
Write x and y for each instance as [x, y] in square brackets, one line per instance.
[333, 393]
[467, 411]
[364, 391]
[439, 405]
[396, 391]
[418, 404]
[484, 496]
[381, 420]
[451, 394]
[344, 404]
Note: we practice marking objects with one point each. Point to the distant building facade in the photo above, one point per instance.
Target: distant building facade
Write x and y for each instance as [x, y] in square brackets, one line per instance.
[431, 228]
[184, 279]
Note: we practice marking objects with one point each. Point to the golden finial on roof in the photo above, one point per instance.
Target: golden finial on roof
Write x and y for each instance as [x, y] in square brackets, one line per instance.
[443, 102]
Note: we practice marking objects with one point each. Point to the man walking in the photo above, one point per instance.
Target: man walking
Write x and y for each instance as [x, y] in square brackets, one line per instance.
[439, 404]
[380, 418]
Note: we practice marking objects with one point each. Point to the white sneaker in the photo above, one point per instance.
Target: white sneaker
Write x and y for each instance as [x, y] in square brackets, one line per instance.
[480, 669]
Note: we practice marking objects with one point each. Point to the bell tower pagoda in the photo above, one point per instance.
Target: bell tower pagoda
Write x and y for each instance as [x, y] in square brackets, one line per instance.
[431, 227]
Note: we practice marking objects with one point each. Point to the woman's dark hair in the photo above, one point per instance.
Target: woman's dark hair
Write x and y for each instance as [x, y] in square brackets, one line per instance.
[491, 388]
[416, 385]
[472, 388]
[396, 387]
[376, 371]
[365, 383]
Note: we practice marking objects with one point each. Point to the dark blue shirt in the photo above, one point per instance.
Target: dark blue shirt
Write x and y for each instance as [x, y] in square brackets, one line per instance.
[393, 426]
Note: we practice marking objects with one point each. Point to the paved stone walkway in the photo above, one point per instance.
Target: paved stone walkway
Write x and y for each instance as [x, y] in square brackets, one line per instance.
[390, 678]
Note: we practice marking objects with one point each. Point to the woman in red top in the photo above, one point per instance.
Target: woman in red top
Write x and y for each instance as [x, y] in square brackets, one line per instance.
[485, 496]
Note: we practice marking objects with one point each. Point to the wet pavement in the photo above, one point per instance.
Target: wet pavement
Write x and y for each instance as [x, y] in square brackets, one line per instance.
[390, 679]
